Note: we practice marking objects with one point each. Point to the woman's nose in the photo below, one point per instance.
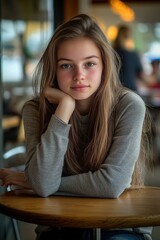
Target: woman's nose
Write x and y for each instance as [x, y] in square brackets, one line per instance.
[79, 74]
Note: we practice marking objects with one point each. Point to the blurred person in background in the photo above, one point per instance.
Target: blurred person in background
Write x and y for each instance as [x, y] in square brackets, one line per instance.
[131, 66]
[155, 73]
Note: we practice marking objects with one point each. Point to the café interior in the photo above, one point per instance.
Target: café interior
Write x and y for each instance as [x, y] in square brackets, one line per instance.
[26, 27]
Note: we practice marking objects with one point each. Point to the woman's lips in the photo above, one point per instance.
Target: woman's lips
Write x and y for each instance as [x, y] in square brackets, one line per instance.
[80, 87]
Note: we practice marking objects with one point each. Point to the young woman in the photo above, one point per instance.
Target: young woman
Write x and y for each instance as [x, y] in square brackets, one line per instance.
[84, 132]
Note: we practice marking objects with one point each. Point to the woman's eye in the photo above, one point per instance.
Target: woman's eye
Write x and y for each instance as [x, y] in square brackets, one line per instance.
[90, 64]
[66, 66]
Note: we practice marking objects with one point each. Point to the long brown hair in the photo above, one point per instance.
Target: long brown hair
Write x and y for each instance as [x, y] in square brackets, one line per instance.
[104, 102]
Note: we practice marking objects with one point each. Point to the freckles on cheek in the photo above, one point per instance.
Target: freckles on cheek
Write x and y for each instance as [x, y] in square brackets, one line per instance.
[94, 74]
[63, 77]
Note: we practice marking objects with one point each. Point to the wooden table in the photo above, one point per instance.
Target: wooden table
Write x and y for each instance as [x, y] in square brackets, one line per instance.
[134, 208]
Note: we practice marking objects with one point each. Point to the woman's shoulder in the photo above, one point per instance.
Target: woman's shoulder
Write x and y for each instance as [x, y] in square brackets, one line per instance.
[130, 108]
[34, 102]
[130, 97]
[31, 105]
[131, 102]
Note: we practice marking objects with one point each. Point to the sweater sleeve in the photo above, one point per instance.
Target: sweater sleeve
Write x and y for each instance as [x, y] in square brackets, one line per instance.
[115, 174]
[44, 154]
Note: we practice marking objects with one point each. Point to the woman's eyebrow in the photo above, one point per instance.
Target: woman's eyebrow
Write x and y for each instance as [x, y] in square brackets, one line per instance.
[67, 59]
[92, 56]
[63, 59]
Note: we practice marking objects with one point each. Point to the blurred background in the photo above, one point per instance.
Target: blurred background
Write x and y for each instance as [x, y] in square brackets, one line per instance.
[26, 28]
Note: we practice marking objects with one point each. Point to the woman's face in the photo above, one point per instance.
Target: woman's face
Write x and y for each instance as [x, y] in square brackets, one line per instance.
[79, 68]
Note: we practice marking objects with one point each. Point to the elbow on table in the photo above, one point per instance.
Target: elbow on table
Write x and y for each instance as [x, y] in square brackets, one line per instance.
[44, 189]
[115, 195]
[41, 186]
[110, 195]
[44, 192]
[113, 191]
[44, 195]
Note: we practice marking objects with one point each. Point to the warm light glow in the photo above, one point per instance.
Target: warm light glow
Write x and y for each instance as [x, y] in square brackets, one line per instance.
[111, 33]
[130, 44]
[125, 12]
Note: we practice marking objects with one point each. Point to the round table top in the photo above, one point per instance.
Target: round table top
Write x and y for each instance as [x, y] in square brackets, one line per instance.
[134, 208]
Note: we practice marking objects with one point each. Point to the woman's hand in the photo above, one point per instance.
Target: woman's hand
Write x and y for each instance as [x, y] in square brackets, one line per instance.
[10, 177]
[66, 104]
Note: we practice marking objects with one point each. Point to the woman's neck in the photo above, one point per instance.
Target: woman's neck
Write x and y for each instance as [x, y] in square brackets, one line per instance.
[83, 106]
